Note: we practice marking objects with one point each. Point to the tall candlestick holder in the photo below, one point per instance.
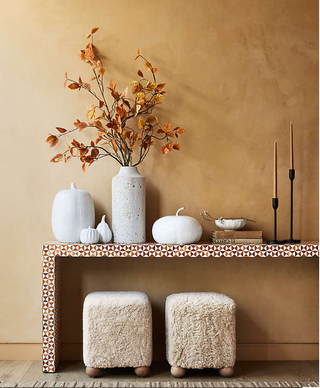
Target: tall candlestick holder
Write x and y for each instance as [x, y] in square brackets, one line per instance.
[291, 240]
[275, 204]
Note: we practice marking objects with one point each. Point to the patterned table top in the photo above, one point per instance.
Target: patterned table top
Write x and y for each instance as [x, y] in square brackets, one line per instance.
[305, 249]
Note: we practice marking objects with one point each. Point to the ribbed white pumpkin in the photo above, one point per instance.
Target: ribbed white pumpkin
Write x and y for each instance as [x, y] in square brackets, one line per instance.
[177, 230]
[72, 211]
[104, 231]
[89, 236]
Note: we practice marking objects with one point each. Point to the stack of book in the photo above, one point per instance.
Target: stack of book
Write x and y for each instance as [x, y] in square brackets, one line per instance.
[236, 237]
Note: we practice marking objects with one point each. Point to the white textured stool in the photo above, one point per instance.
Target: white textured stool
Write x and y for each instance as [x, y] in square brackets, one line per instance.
[117, 332]
[200, 332]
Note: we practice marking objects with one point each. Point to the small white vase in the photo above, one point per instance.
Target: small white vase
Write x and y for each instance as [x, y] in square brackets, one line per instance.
[72, 211]
[129, 206]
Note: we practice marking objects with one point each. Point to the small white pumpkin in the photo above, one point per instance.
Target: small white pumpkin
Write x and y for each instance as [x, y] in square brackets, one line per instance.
[89, 236]
[177, 230]
[104, 231]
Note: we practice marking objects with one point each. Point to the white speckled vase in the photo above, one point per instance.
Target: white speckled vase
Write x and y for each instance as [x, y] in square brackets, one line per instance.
[129, 206]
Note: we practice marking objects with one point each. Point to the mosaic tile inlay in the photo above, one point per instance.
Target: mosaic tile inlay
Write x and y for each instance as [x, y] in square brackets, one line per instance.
[51, 278]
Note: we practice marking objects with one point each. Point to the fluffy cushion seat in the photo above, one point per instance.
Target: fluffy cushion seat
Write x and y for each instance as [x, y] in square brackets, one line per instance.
[117, 330]
[200, 330]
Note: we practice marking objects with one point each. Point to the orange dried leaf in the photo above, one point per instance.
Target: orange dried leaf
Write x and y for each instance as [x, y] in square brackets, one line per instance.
[70, 149]
[75, 143]
[176, 146]
[164, 150]
[158, 97]
[179, 130]
[89, 53]
[101, 103]
[137, 137]
[101, 71]
[170, 134]
[98, 124]
[151, 119]
[112, 85]
[88, 36]
[114, 145]
[160, 86]
[141, 123]
[138, 52]
[95, 152]
[52, 140]
[167, 127]
[140, 74]
[91, 114]
[57, 158]
[61, 130]
[82, 125]
[94, 30]
[74, 86]
[154, 70]
[127, 133]
[84, 167]
[80, 81]
[148, 65]
[133, 144]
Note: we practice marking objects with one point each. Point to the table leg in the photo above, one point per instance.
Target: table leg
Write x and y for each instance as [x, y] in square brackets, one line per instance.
[51, 311]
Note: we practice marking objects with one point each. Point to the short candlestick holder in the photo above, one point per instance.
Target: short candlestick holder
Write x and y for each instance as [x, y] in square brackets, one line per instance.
[275, 203]
[291, 240]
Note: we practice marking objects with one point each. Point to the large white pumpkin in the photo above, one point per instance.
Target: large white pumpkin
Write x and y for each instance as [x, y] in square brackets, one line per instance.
[72, 211]
[177, 230]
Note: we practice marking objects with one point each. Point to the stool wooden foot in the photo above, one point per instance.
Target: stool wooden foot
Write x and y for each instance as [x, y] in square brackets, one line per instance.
[177, 371]
[142, 371]
[226, 372]
[93, 372]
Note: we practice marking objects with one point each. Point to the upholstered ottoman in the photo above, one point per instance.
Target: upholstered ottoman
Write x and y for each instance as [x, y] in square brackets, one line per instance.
[117, 332]
[200, 332]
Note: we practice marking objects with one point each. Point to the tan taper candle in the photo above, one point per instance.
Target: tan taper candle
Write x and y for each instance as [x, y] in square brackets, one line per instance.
[291, 147]
[275, 172]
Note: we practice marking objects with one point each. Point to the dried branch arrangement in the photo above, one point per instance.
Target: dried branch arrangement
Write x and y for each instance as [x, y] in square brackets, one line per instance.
[115, 136]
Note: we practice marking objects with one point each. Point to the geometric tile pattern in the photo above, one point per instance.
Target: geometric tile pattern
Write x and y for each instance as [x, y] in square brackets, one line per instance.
[51, 273]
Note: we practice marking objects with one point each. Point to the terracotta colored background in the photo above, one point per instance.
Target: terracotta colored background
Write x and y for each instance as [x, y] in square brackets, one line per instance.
[236, 73]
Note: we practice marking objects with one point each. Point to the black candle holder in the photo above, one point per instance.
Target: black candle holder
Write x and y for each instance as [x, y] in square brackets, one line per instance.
[275, 203]
[291, 240]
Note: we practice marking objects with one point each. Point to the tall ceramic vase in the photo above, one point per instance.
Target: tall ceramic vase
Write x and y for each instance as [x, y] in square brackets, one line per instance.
[129, 206]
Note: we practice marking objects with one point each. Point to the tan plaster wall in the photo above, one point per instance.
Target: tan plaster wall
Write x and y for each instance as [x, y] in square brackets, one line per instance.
[237, 72]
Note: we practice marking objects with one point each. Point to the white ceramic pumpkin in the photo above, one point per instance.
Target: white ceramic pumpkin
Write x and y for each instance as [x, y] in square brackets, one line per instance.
[89, 236]
[177, 230]
[104, 231]
[72, 211]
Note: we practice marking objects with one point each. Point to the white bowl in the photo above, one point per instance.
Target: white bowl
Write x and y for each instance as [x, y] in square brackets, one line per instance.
[229, 225]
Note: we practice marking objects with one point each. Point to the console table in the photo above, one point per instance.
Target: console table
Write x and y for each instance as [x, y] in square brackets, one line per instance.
[51, 275]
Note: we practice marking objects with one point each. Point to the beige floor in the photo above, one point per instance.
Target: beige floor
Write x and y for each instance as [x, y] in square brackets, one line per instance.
[306, 371]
